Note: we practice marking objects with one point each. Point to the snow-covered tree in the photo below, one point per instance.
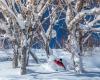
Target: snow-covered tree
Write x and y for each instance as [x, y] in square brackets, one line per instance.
[78, 25]
[25, 26]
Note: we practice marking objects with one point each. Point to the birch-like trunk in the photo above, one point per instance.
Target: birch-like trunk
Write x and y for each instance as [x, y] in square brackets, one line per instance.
[15, 59]
[23, 60]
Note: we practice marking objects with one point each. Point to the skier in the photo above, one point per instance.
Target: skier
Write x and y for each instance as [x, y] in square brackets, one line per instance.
[59, 63]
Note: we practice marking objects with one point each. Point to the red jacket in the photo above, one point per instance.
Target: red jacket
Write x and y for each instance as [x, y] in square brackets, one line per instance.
[58, 62]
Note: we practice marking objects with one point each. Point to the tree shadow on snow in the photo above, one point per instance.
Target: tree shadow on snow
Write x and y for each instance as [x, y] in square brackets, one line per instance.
[84, 74]
[88, 74]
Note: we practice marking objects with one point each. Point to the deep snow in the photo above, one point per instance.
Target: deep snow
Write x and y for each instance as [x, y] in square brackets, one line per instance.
[44, 71]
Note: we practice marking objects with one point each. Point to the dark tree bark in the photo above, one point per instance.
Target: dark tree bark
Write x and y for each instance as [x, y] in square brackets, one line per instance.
[23, 60]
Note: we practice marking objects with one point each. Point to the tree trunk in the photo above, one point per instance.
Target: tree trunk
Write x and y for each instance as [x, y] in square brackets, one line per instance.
[47, 49]
[81, 64]
[81, 51]
[76, 53]
[34, 57]
[15, 57]
[23, 60]
[15, 60]
[27, 59]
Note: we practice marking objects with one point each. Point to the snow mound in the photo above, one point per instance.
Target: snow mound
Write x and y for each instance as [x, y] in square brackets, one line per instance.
[46, 68]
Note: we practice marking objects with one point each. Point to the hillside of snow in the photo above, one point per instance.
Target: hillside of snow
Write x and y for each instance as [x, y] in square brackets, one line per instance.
[44, 71]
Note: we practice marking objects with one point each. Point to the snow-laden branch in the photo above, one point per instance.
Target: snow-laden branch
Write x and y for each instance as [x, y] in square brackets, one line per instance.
[89, 26]
[95, 29]
[76, 19]
[93, 22]
[86, 38]
[81, 14]
[44, 7]
[40, 5]
[8, 8]
[79, 5]
[18, 17]
[49, 16]
[49, 31]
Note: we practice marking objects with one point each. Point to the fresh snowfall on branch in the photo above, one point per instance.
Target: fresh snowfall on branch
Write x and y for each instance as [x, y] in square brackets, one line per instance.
[49, 38]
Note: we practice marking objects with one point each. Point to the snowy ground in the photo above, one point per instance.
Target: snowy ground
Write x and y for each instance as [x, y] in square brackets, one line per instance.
[45, 72]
